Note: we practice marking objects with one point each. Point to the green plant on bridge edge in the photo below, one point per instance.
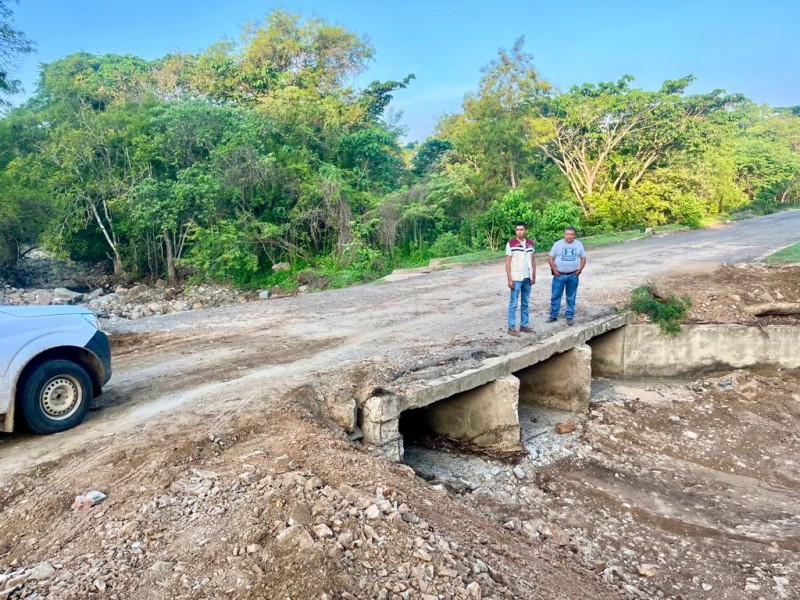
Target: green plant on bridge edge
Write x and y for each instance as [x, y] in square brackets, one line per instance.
[668, 311]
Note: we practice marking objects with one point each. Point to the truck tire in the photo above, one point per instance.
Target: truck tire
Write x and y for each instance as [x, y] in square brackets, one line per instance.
[56, 395]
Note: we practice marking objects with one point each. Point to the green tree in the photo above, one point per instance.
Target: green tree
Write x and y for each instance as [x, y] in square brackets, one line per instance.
[13, 44]
[607, 136]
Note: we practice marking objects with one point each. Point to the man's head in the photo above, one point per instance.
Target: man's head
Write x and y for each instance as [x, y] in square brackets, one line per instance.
[520, 229]
[569, 234]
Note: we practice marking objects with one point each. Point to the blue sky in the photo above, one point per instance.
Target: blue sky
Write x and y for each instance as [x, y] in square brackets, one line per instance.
[742, 46]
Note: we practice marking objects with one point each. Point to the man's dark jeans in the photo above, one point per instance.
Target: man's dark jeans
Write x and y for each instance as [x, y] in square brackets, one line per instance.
[568, 282]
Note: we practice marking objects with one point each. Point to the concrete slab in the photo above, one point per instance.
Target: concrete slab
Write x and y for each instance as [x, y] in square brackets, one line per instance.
[494, 368]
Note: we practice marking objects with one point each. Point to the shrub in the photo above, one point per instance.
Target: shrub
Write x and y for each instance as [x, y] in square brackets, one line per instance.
[448, 244]
[668, 311]
[223, 253]
[556, 217]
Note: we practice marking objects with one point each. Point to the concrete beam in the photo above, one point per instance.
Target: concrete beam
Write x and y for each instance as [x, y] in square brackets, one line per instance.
[563, 382]
[486, 416]
[643, 351]
[380, 425]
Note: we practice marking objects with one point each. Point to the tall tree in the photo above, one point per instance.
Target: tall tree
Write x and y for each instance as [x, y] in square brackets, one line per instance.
[13, 44]
[490, 134]
[604, 137]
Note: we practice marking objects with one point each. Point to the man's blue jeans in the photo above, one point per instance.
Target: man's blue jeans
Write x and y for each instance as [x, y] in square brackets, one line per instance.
[521, 292]
[568, 282]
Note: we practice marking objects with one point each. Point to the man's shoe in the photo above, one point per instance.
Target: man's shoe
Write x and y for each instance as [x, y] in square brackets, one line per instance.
[552, 320]
[526, 330]
[570, 322]
[512, 331]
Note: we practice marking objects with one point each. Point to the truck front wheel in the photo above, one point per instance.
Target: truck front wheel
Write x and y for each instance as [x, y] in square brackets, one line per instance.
[56, 395]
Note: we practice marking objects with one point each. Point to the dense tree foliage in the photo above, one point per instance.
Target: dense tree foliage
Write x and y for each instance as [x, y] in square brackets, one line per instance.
[219, 164]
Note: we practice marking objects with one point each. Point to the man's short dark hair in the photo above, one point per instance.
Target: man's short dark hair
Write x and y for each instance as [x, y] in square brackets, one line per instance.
[570, 228]
[520, 224]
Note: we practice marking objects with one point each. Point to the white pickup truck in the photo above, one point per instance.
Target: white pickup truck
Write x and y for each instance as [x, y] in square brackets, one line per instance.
[53, 361]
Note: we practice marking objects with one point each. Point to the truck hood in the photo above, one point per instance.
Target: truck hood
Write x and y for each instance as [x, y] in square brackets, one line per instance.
[42, 311]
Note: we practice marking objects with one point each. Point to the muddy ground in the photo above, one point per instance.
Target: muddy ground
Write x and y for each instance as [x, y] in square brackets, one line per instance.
[225, 477]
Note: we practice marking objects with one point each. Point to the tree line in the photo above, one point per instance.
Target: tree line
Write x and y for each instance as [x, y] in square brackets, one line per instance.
[219, 164]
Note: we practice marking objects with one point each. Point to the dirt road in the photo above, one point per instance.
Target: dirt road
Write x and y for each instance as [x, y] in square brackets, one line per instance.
[223, 482]
[211, 364]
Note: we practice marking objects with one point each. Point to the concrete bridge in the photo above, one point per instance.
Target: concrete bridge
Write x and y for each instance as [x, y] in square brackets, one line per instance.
[480, 405]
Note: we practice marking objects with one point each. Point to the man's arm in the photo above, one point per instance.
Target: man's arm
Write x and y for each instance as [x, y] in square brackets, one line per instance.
[583, 264]
[508, 272]
[552, 261]
[533, 269]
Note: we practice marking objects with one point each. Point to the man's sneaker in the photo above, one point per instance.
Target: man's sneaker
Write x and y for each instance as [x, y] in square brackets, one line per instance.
[570, 322]
[552, 320]
[526, 330]
[512, 331]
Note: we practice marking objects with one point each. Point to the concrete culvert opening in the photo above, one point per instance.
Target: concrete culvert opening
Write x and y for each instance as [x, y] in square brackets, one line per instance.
[415, 426]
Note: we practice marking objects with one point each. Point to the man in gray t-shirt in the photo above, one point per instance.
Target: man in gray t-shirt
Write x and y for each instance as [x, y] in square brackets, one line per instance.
[567, 260]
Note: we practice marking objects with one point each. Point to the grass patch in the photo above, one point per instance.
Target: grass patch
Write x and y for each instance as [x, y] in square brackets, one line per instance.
[606, 239]
[673, 227]
[474, 257]
[668, 311]
[787, 255]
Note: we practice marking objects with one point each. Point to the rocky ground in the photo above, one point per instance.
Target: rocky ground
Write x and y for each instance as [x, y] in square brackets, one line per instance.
[42, 280]
[729, 293]
[668, 490]
[274, 506]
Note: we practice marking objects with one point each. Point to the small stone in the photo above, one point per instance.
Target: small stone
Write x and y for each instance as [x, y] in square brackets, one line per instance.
[322, 531]
[264, 295]
[301, 515]
[422, 555]
[44, 570]
[205, 474]
[674, 419]
[690, 434]
[646, 570]
[88, 500]
[566, 427]
[253, 548]
[373, 512]
[707, 587]
[474, 590]
[296, 535]
[162, 566]
[282, 266]
[479, 567]
[556, 534]
[519, 472]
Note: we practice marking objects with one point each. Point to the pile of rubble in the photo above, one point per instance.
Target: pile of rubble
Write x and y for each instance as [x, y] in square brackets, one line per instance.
[372, 544]
[130, 303]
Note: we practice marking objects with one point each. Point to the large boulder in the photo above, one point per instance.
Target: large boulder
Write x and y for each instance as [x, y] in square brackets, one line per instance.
[66, 296]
